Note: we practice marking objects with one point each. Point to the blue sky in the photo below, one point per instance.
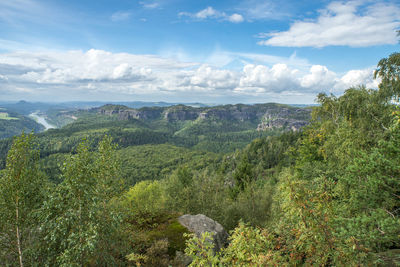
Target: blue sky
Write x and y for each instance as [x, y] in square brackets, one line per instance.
[187, 51]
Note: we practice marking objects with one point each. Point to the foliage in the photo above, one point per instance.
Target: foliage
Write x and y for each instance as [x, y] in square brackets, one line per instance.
[389, 71]
[12, 124]
[155, 162]
[77, 220]
[145, 203]
[338, 204]
[155, 234]
[248, 247]
[22, 190]
[201, 250]
[254, 247]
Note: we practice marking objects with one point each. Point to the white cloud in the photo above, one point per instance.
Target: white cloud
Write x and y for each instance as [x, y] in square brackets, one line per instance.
[120, 16]
[149, 4]
[209, 78]
[342, 24]
[260, 78]
[280, 78]
[319, 77]
[211, 13]
[91, 66]
[95, 73]
[236, 18]
[206, 13]
[356, 77]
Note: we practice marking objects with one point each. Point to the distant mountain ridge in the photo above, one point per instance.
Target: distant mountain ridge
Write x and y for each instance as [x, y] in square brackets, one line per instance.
[195, 119]
[26, 107]
[218, 129]
[265, 116]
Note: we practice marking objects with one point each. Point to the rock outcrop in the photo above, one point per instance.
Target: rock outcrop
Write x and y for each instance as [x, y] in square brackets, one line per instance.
[279, 123]
[181, 113]
[262, 116]
[284, 118]
[125, 113]
[200, 223]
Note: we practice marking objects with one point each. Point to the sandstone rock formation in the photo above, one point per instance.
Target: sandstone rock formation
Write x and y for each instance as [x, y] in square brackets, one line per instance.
[262, 116]
[200, 223]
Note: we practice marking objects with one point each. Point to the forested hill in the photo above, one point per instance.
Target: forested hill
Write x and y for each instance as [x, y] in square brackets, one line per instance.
[13, 123]
[263, 116]
[219, 129]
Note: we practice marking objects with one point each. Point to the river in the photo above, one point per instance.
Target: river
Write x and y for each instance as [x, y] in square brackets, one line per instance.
[41, 120]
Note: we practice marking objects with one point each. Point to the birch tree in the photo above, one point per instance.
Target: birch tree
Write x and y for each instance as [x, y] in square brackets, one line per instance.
[21, 187]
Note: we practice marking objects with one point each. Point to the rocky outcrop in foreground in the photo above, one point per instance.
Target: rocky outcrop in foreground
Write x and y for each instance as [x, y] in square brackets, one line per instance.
[200, 223]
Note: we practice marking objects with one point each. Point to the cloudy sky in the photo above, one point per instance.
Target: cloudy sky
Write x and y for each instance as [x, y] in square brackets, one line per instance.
[225, 51]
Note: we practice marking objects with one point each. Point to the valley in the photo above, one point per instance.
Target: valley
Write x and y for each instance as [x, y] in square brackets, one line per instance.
[172, 133]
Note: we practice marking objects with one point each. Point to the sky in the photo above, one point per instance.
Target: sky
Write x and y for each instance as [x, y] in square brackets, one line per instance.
[225, 51]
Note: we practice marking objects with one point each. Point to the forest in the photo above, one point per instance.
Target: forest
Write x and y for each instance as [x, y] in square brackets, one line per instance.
[106, 191]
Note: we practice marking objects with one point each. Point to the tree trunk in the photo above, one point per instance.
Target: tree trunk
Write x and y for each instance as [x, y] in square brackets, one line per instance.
[18, 235]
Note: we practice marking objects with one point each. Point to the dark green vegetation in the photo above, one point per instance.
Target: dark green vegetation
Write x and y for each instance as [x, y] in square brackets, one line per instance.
[218, 129]
[57, 114]
[325, 196]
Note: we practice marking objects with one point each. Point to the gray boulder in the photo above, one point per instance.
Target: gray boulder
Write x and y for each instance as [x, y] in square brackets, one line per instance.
[200, 223]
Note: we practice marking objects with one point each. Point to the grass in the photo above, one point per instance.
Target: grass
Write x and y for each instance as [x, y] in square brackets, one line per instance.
[5, 116]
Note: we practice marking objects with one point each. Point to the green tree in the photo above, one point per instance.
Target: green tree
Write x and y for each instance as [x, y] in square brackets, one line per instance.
[77, 218]
[339, 204]
[21, 195]
[389, 71]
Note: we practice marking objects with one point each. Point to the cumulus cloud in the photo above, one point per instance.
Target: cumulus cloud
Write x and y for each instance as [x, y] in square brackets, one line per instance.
[76, 68]
[356, 77]
[319, 77]
[211, 13]
[259, 78]
[236, 18]
[342, 24]
[208, 78]
[58, 75]
[92, 66]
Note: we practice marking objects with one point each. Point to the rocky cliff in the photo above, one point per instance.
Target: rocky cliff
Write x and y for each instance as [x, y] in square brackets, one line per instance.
[264, 116]
[125, 113]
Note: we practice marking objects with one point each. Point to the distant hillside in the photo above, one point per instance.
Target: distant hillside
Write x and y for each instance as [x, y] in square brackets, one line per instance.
[218, 129]
[61, 114]
[259, 116]
[25, 107]
[12, 123]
